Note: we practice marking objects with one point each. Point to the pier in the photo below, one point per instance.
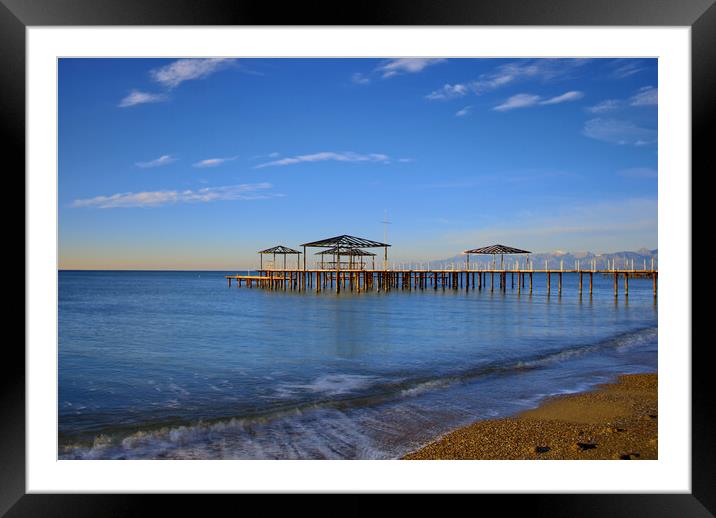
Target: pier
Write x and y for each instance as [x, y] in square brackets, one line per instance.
[347, 271]
[404, 279]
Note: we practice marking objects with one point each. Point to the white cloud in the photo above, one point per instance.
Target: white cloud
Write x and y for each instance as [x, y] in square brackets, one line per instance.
[213, 162]
[394, 67]
[564, 98]
[172, 75]
[360, 79]
[162, 160]
[620, 132]
[448, 91]
[159, 198]
[626, 69]
[137, 97]
[527, 100]
[539, 69]
[463, 112]
[605, 106]
[646, 96]
[347, 156]
[175, 73]
[518, 101]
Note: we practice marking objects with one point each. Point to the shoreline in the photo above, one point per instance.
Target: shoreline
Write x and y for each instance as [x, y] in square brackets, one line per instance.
[616, 420]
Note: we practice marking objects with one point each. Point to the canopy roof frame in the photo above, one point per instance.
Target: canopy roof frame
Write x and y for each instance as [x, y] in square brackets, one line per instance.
[345, 251]
[279, 249]
[497, 249]
[347, 242]
[494, 250]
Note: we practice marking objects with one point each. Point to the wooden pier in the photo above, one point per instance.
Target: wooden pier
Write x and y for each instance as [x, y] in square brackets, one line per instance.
[416, 279]
[348, 271]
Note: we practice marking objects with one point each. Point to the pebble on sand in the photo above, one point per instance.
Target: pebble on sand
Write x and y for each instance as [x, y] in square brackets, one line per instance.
[616, 421]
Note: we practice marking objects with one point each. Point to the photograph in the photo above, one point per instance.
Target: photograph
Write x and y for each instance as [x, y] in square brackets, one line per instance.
[357, 258]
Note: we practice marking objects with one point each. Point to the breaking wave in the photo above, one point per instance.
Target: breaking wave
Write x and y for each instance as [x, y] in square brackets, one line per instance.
[328, 417]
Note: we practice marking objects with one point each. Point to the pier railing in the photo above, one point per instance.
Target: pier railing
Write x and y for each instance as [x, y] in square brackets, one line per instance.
[592, 265]
[621, 264]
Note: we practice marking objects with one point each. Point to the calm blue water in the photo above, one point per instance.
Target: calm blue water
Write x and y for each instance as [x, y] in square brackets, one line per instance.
[177, 365]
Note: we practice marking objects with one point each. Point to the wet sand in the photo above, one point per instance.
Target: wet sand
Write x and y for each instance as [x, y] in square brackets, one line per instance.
[615, 421]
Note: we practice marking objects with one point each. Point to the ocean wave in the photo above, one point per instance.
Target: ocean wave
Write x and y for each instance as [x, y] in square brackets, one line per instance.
[298, 429]
[329, 385]
[327, 434]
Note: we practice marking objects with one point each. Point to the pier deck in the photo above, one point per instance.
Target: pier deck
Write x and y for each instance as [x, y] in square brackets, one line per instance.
[409, 279]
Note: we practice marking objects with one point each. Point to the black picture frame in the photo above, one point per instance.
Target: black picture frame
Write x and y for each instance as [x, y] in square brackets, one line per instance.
[16, 15]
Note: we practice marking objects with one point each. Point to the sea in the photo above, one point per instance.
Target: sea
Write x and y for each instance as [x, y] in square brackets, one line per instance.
[177, 365]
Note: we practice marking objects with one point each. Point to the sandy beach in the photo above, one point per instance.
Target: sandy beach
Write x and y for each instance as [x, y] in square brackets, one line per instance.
[615, 421]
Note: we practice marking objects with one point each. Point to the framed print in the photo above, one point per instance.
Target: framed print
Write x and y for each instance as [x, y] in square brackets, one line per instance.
[406, 248]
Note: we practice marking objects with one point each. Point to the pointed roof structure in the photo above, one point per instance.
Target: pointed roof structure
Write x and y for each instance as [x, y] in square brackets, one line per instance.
[345, 251]
[347, 242]
[496, 249]
[280, 249]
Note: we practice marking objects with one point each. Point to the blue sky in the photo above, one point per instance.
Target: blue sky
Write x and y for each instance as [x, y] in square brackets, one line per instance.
[198, 163]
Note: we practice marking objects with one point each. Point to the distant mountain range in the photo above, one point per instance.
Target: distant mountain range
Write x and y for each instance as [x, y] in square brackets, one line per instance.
[559, 258]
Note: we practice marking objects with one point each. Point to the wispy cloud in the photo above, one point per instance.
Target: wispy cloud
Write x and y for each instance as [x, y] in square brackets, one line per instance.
[646, 96]
[160, 198]
[360, 79]
[136, 97]
[175, 73]
[157, 162]
[172, 75]
[566, 97]
[213, 162]
[448, 91]
[518, 101]
[605, 106]
[527, 100]
[540, 69]
[623, 69]
[393, 67]
[617, 131]
[347, 156]
[463, 112]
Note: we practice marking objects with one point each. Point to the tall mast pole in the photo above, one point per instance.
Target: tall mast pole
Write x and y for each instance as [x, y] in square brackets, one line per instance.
[385, 222]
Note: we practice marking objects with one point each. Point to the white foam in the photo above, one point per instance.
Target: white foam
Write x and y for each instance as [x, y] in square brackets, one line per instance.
[426, 386]
[329, 385]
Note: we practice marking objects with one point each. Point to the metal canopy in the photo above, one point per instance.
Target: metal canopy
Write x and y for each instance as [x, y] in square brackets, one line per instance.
[280, 249]
[345, 251]
[346, 241]
[496, 249]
